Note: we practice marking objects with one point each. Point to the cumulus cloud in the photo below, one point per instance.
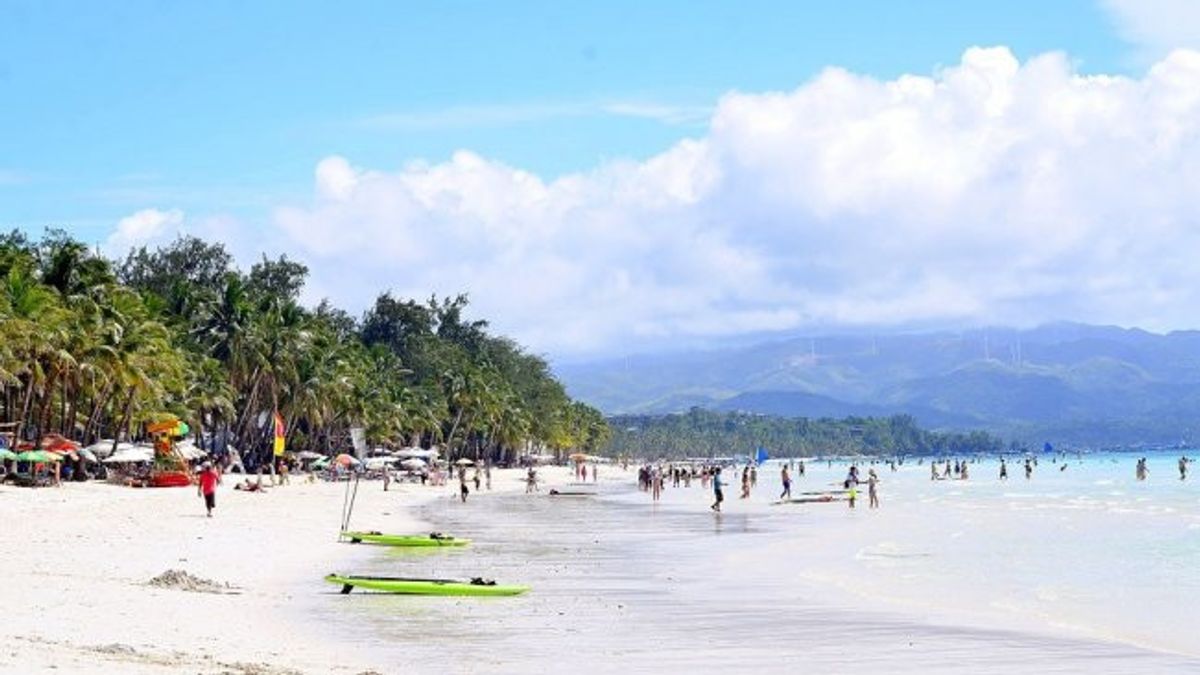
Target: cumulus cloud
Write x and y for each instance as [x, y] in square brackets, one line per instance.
[1157, 26]
[148, 226]
[990, 191]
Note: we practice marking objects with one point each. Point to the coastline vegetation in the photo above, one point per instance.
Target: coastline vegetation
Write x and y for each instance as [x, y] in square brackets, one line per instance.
[705, 433]
[91, 348]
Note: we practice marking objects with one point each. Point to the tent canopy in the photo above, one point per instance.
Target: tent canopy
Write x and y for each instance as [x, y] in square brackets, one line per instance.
[415, 453]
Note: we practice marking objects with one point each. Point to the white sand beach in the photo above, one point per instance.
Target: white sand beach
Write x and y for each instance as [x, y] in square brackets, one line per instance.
[1080, 569]
[77, 561]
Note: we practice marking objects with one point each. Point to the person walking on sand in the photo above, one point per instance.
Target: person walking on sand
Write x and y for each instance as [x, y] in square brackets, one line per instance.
[872, 489]
[478, 478]
[387, 477]
[786, 477]
[753, 477]
[487, 475]
[802, 468]
[745, 483]
[463, 491]
[530, 480]
[718, 495]
[656, 483]
[207, 486]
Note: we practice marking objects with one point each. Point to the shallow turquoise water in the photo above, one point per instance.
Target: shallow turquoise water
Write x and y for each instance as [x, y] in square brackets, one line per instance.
[1079, 569]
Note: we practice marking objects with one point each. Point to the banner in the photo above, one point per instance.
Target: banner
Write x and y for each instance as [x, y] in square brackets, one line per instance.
[280, 435]
[358, 437]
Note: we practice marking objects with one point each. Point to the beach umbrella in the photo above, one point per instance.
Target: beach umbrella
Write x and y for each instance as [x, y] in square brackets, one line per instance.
[308, 454]
[378, 462]
[6, 454]
[413, 463]
[346, 460]
[132, 454]
[464, 462]
[37, 456]
[415, 453]
[88, 455]
[104, 448]
[321, 463]
[56, 443]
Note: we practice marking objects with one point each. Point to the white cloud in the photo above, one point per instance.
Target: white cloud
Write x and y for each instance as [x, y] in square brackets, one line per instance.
[1157, 26]
[148, 226]
[993, 191]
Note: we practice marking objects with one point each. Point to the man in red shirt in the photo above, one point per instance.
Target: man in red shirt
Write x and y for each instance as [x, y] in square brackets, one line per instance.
[209, 479]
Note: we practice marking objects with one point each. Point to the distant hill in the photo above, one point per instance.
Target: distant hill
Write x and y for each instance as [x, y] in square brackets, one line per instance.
[1067, 382]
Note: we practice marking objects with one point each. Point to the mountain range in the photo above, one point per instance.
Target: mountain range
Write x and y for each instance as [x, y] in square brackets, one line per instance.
[1063, 382]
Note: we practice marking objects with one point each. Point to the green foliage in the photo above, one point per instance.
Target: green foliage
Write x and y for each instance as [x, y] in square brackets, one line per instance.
[89, 352]
[705, 433]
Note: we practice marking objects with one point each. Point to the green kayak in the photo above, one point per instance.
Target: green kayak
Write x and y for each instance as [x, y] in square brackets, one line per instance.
[425, 586]
[433, 539]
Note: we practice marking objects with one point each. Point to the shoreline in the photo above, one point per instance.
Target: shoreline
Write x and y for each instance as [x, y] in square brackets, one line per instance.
[82, 556]
[86, 552]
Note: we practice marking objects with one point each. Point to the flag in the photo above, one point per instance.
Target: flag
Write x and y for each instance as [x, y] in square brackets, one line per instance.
[279, 434]
[761, 457]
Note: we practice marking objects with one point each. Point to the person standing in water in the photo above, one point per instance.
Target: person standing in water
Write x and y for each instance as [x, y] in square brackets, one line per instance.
[802, 468]
[851, 485]
[1183, 462]
[1003, 469]
[872, 489]
[718, 495]
[787, 483]
[1028, 470]
[210, 478]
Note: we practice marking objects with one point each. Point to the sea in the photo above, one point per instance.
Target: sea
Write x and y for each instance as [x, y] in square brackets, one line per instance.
[1080, 568]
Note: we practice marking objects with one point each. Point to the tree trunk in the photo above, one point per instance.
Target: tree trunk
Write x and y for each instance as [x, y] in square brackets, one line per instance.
[450, 436]
[24, 412]
[97, 408]
[124, 419]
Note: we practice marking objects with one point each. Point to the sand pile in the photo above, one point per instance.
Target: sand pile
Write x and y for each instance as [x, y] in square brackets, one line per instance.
[183, 581]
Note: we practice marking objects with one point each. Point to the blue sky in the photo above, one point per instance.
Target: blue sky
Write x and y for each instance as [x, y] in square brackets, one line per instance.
[226, 106]
[616, 176]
